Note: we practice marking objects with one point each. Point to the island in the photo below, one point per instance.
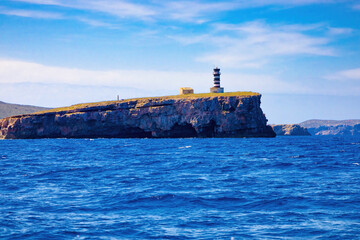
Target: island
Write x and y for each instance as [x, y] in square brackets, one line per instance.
[230, 114]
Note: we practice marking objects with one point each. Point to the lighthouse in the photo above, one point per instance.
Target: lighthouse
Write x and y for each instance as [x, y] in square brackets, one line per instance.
[217, 88]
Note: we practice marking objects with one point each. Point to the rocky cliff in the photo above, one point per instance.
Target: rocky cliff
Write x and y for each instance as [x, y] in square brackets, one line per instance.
[290, 130]
[195, 115]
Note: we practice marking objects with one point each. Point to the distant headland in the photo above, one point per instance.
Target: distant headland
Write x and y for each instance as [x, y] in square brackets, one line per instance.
[317, 127]
[235, 114]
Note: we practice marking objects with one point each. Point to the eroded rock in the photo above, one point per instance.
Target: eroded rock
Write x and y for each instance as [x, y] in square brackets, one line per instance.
[217, 116]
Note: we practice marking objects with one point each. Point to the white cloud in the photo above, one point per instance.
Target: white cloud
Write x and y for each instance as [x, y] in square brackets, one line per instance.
[260, 83]
[184, 11]
[357, 7]
[187, 11]
[201, 11]
[12, 71]
[57, 95]
[95, 23]
[293, 2]
[54, 15]
[350, 74]
[253, 44]
[191, 39]
[117, 8]
[340, 31]
[37, 84]
[25, 72]
[42, 2]
[31, 13]
[286, 3]
[193, 11]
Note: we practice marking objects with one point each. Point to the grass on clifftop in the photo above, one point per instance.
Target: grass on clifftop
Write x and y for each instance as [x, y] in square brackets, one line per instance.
[196, 95]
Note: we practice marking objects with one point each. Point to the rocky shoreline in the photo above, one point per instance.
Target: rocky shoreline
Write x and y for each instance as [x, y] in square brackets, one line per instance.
[207, 115]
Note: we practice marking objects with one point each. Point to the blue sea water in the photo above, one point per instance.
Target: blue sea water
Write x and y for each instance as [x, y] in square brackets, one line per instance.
[281, 188]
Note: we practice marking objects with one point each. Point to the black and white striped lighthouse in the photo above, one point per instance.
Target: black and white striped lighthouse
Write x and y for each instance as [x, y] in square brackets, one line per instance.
[217, 77]
[217, 88]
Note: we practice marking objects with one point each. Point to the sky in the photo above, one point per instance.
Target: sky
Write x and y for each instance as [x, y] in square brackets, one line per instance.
[303, 56]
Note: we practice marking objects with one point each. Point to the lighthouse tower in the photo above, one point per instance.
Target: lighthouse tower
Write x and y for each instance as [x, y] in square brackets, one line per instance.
[217, 88]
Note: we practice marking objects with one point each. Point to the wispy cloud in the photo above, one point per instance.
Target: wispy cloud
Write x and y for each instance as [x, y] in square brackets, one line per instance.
[356, 6]
[193, 11]
[17, 72]
[43, 2]
[31, 13]
[12, 71]
[340, 31]
[290, 2]
[54, 15]
[202, 11]
[121, 9]
[95, 23]
[82, 85]
[252, 44]
[196, 11]
[346, 75]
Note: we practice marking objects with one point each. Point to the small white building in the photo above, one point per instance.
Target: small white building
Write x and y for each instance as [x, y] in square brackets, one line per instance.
[186, 90]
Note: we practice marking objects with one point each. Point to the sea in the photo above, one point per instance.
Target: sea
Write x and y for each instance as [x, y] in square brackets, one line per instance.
[236, 188]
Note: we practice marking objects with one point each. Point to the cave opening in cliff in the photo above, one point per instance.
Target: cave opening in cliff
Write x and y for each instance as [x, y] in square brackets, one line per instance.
[182, 131]
[208, 130]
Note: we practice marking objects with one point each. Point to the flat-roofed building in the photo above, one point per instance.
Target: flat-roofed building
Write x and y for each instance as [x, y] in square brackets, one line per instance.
[186, 90]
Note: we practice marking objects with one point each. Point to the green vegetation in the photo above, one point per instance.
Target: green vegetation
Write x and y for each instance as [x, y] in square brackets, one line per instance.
[197, 95]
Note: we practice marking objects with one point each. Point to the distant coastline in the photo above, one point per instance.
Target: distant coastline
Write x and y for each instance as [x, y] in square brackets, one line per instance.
[332, 127]
[317, 127]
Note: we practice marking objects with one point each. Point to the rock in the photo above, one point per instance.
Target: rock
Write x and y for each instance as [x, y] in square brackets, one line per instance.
[290, 130]
[217, 115]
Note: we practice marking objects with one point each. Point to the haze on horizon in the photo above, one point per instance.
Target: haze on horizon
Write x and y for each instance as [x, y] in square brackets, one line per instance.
[303, 56]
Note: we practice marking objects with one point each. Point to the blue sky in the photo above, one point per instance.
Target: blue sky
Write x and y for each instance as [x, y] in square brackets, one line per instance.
[303, 56]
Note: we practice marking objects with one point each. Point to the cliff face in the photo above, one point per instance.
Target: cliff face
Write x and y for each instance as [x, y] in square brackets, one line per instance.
[213, 116]
[290, 130]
